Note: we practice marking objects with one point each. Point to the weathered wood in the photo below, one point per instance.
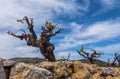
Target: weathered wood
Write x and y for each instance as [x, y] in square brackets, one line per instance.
[2, 72]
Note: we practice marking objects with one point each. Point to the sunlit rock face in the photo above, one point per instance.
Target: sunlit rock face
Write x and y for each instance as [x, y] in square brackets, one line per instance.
[79, 70]
[57, 70]
[28, 71]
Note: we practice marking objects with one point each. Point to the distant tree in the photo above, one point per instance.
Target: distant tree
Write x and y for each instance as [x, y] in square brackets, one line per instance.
[43, 43]
[108, 61]
[116, 58]
[88, 55]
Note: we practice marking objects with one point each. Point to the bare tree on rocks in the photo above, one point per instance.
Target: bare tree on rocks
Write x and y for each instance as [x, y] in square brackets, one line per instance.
[90, 56]
[43, 42]
[116, 58]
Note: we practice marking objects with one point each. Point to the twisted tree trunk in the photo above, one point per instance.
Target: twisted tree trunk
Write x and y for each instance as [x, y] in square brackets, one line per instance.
[42, 43]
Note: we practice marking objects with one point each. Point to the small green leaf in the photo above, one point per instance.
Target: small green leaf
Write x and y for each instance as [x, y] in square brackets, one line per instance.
[81, 49]
[49, 24]
[46, 23]
[18, 20]
[54, 26]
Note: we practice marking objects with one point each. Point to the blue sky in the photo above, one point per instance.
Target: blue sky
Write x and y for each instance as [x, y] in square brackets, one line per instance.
[94, 23]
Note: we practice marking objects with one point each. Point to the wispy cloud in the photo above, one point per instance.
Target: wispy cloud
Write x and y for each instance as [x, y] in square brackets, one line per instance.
[94, 33]
[64, 54]
[40, 10]
[11, 47]
[103, 30]
[112, 48]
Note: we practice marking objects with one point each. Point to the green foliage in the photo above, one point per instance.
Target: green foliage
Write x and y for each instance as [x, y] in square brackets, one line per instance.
[50, 24]
[54, 26]
[20, 21]
[81, 49]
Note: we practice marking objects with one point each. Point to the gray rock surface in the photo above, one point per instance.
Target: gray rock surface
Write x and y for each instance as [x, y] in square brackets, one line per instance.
[2, 72]
[28, 71]
[8, 63]
[109, 72]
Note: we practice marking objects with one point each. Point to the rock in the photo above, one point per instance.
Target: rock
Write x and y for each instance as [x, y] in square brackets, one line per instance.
[66, 69]
[2, 72]
[109, 72]
[60, 69]
[79, 70]
[56, 70]
[7, 66]
[28, 71]
[63, 70]
[46, 64]
[8, 63]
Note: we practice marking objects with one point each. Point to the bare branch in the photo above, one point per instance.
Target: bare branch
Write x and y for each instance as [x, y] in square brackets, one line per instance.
[115, 58]
[59, 31]
[84, 54]
[96, 54]
[23, 36]
[68, 56]
[30, 26]
[23, 31]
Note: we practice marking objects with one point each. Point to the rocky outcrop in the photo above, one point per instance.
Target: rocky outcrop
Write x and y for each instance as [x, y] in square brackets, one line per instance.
[56, 70]
[28, 71]
[7, 64]
[78, 70]
[10, 69]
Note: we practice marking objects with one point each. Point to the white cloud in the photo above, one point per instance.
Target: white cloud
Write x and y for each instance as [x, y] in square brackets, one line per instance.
[112, 48]
[96, 32]
[40, 10]
[103, 30]
[13, 47]
[64, 54]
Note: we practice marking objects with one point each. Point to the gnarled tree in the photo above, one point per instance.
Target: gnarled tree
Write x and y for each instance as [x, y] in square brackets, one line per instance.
[43, 42]
[88, 55]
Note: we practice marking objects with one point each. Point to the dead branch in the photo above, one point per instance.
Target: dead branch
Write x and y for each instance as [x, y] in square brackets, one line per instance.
[68, 56]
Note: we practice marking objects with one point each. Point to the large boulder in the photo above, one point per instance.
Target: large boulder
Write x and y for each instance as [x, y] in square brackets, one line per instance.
[28, 71]
[7, 64]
